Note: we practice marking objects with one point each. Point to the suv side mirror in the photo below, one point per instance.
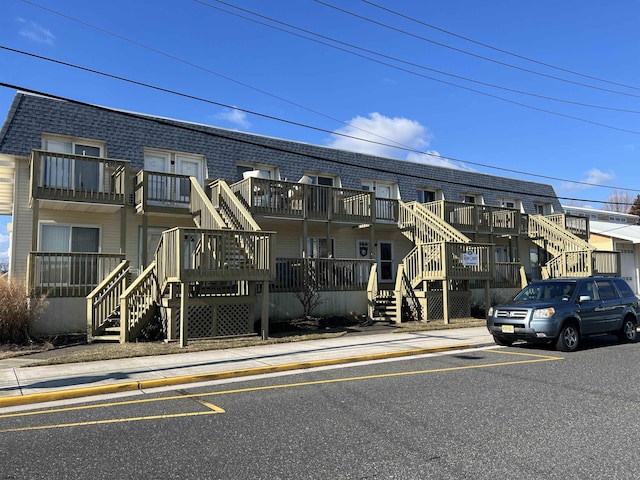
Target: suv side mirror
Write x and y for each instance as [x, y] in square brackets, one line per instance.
[584, 298]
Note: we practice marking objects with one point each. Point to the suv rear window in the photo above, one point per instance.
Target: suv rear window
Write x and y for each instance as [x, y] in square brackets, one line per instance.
[606, 290]
[623, 287]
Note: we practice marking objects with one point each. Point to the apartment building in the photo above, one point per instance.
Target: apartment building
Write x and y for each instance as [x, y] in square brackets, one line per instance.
[118, 217]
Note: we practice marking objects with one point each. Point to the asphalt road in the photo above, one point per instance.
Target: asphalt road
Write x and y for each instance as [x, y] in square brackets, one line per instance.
[481, 414]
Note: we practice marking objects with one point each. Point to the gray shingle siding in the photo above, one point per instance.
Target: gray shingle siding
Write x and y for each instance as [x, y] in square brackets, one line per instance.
[126, 135]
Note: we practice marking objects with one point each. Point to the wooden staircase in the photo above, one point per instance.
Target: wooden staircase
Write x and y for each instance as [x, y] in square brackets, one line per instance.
[221, 256]
[572, 256]
[435, 242]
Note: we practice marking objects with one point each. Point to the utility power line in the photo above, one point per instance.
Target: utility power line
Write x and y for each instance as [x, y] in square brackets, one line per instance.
[270, 117]
[497, 49]
[503, 99]
[194, 128]
[465, 52]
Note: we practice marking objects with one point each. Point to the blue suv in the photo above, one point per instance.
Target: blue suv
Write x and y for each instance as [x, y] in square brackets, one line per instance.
[562, 310]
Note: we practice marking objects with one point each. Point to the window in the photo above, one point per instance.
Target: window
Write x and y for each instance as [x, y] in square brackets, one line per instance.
[326, 180]
[606, 290]
[472, 198]
[510, 203]
[75, 268]
[263, 171]
[426, 196]
[543, 208]
[318, 247]
[67, 171]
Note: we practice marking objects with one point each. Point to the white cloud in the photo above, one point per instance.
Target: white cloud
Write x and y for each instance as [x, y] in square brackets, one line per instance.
[35, 32]
[380, 129]
[434, 158]
[377, 128]
[234, 116]
[4, 238]
[594, 176]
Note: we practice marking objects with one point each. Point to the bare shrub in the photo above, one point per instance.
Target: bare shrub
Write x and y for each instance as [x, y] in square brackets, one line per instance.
[17, 311]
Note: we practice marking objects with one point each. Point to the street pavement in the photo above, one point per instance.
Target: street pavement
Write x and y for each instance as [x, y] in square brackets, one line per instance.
[21, 384]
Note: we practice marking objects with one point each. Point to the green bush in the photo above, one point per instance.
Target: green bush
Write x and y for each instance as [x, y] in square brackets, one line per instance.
[17, 310]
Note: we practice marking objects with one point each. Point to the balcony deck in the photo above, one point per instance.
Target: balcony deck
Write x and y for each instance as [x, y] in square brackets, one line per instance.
[77, 182]
[284, 199]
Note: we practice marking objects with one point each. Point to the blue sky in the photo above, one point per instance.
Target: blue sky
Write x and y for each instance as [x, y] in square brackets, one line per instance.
[429, 89]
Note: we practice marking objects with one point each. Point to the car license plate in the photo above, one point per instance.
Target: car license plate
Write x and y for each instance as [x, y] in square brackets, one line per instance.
[507, 329]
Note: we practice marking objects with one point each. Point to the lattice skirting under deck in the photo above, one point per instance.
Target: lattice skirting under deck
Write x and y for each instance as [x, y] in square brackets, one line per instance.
[206, 321]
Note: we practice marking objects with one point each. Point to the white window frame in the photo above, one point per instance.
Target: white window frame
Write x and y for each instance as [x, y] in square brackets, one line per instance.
[316, 176]
[472, 198]
[437, 194]
[269, 170]
[71, 226]
[69, 177]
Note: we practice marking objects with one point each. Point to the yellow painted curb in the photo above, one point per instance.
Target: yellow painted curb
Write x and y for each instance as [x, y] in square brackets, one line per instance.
[204, 377]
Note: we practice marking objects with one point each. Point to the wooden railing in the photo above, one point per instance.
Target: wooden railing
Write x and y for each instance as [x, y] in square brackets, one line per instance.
[78, 178]
[470, 217]
[331, 274]
[202, 210]
[554, 238]
[507, 275]
[421, 225]
[265, 196]
[578, 226]
[583, 263]
[61, 274]
[192, 254]
[137, 303]
[160, 190]
[372, 290]
[223, 198]
[104, 300]
[404, 290]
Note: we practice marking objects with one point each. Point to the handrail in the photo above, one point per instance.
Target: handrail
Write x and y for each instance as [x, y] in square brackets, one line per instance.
[554, 239]
[222, 192]
[105, 298]
[137, 300]
[372, 290]
[405, 289]
[428, 227]
[202, 209]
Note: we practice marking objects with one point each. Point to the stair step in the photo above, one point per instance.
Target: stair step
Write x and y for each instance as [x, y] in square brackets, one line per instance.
[113, 330]
[106, 338]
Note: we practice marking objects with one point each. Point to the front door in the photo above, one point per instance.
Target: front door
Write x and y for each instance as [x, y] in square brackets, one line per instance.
[385, 261]
[188, 166]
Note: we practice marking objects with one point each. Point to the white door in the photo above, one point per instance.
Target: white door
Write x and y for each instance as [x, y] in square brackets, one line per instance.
[188, 166]
[158, 188]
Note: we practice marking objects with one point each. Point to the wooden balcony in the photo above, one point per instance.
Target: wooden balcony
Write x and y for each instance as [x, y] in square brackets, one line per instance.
[193, 254]
[449, 260]
[262, 196]
[77, 182]
[470, 217]
[160, 192]
[63, 274]
[326, 274]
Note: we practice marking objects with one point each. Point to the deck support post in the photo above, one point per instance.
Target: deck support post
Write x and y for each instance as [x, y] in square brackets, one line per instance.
[264, 321]
[184, 313]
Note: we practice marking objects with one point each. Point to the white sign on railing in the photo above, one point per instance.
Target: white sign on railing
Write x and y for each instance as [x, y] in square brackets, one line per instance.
[470, 259]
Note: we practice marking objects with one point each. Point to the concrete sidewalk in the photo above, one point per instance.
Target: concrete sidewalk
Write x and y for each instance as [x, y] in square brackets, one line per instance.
[20, 384]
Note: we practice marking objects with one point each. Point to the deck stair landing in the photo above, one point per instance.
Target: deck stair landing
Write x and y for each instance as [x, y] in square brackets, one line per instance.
[218, 261]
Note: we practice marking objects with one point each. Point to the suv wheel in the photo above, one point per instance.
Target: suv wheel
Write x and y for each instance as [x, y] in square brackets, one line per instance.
[628, 331]
[569, 338]
[505, 342]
